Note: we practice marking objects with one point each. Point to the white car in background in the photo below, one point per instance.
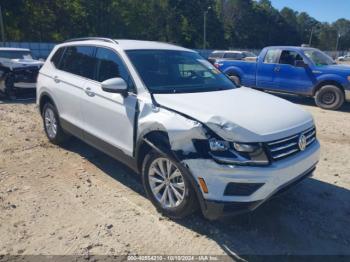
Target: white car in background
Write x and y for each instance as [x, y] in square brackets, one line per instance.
[170, 115]
[18, 70]
[344, 58]
[232, 55]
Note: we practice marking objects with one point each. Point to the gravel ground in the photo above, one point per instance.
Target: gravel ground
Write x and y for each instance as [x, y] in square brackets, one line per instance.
[76, 200]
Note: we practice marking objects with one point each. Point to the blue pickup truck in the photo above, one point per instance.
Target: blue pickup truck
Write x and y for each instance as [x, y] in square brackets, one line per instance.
[297, 70]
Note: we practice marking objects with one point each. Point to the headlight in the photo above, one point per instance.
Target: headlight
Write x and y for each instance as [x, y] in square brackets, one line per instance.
[237, 153]
[218, 145]
[245, 148]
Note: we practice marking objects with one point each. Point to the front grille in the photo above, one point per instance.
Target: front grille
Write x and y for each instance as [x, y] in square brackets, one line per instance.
[27, 75]
[288, 146]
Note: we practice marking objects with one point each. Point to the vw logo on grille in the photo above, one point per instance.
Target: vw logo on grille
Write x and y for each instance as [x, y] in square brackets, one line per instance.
[302, 142]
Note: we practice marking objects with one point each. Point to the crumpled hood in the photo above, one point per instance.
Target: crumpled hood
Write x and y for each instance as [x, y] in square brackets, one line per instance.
[241, 114]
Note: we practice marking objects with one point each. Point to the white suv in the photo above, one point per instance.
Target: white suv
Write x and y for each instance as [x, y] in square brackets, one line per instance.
[196, 138]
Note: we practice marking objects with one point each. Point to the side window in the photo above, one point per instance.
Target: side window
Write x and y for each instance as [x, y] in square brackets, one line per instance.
[272, 56]
[56, 58]
[110, 65]
[79, 60]
[289, 57]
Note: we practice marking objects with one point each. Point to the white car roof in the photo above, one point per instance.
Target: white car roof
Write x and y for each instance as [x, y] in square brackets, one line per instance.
[227, 51]
[130, 44]
[140, 44]
[13, 49]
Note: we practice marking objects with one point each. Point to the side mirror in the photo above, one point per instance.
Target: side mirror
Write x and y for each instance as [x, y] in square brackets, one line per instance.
[115, 85]
[300, 63]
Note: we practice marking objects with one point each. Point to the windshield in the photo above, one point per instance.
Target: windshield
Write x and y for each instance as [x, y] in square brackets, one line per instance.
[165, 71]
[16, 54]
[319, 58]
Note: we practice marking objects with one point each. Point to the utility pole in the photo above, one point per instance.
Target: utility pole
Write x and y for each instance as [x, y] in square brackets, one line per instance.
[205, 28]
[312, 32]
[2, 27]
[337, 44]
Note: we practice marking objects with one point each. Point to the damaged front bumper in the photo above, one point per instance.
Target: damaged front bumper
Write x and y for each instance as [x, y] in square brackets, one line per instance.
[23, 77]
[236, 189]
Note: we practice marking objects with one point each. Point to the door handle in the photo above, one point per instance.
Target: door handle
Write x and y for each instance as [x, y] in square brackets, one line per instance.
[277, 69]
[89, 92]
[56, 79]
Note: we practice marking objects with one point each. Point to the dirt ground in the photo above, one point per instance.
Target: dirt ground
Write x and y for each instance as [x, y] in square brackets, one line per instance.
[76, 200]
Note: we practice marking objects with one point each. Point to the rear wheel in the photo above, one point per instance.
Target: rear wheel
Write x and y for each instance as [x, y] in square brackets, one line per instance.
[53, 129]
[329, 97]
[168, 186]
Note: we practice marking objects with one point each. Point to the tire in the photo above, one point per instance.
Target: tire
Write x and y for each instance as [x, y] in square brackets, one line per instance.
[52, 127]
[10, 89]
[180, 208]
[235, 79]
[329, 97]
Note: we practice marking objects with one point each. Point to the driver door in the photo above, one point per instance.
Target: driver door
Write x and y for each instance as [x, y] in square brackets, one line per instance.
[291, 78]
[109, 117]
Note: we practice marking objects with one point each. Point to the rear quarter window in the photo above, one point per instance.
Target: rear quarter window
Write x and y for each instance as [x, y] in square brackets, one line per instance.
[56, 58]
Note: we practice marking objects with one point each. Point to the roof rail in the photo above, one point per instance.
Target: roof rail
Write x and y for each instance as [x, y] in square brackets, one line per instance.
[109, 40]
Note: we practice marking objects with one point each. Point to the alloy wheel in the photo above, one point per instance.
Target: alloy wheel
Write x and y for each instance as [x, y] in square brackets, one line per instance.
[50, 123]
[167, 183]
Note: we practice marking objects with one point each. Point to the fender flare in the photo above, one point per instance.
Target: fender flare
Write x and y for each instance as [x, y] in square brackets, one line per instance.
[40, 100]
[164, 150]
[329, 79]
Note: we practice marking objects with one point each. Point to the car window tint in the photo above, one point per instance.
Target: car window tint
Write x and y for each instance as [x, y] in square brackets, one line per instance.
[289, 57]
[56, 58]
[272, 56]
[79, 60]
[110, 65]
[168, 71]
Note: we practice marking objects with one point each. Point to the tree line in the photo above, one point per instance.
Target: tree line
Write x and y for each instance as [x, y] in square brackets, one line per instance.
[230, 23]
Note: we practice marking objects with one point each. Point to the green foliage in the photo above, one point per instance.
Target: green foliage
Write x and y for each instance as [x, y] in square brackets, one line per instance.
[230, 23]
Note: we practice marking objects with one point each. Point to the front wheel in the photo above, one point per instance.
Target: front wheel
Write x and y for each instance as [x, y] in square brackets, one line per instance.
[329, 97]
[10, 89]
[167, 186]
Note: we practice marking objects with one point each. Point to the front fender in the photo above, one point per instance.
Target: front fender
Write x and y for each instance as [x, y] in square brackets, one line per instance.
[180, 130]
[333, 78]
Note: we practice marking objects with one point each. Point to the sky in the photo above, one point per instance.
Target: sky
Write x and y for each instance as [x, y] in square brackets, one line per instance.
[322, 10]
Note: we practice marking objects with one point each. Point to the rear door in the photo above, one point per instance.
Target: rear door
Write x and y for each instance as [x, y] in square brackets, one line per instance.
[69, 80]
[109, 117]
[267, 70]
[291, 78]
